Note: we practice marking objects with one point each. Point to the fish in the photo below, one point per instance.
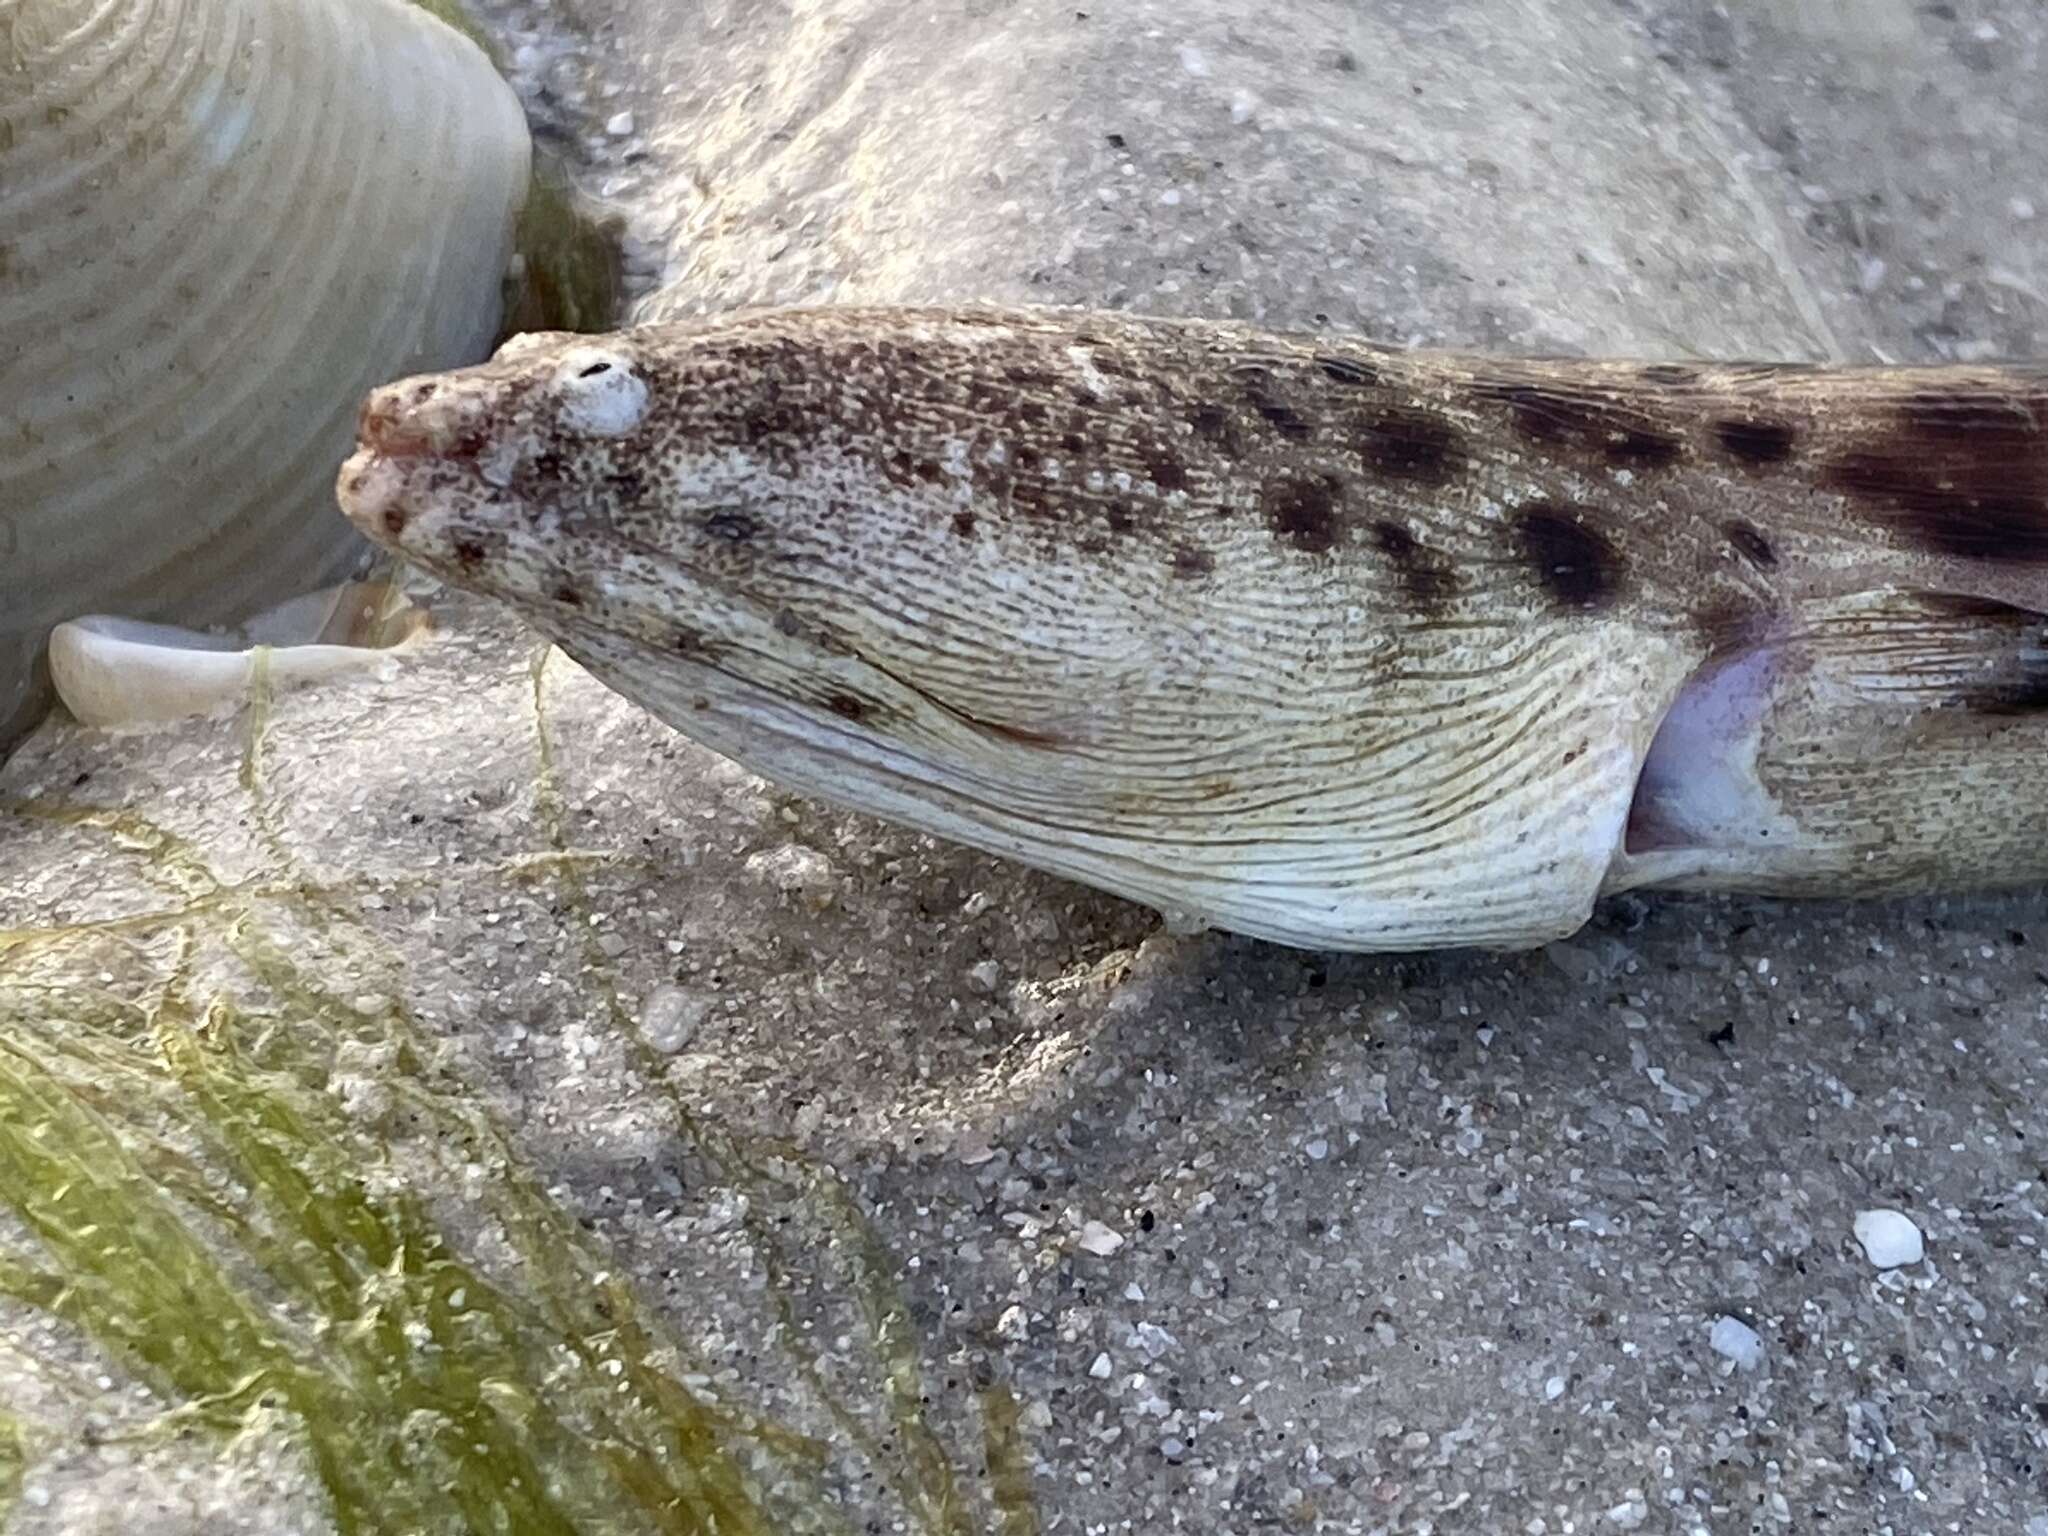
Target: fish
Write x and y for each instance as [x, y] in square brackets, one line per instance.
[1301, 636]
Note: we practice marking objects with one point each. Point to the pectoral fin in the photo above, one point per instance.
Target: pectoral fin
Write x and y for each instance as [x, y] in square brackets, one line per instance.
[1893, 742]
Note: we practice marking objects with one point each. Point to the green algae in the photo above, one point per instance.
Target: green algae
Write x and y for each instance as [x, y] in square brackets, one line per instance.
[13, 1461]
[567, 272]
[182, 1133]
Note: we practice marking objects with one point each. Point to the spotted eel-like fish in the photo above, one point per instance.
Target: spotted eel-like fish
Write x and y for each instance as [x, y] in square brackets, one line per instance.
[1303, 637]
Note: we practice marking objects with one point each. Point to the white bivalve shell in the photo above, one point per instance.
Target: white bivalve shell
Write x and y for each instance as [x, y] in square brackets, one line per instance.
[221, 223]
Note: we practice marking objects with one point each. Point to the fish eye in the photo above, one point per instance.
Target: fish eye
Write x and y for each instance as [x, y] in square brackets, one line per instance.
[601, 392]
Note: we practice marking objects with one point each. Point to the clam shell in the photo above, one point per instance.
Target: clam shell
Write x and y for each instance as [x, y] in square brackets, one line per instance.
[116, 673]
[222, 222]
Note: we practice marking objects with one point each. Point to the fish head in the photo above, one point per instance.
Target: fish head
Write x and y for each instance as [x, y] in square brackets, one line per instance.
[831, 551]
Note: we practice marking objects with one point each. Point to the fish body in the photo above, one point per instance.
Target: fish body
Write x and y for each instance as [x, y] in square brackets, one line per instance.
[1299, 636]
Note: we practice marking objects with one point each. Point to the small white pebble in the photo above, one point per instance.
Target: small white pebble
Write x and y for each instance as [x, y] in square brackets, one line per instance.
[2022, 209]
[1889, 1238]
[1553, 1389]
[1098, 1239]
[1318, 1149]
[1151, 1340]
[1013, 1325]
[983, 977]
[619, 125]
[1192, 61]
[1101, 1368]
[1733, 1339]
[671, 1018]
[1629, 1515]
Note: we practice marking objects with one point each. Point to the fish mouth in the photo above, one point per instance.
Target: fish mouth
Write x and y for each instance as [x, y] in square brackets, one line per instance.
[372, 492]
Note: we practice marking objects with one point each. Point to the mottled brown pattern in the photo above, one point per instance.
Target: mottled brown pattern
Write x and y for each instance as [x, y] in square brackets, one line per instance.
[1429, 608]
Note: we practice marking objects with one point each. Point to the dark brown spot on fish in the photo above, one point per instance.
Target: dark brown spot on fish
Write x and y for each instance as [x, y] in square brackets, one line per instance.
[910, 471]
[734, 527]
[1212, 422]
[1750, 543]
[1562, 414]
[1118, 516]
[1730, 624]
[1642, 447]
[1755, 443]
[1964, 475]
[1961, 416]
[772, 417]
[846, 706]
[626, 484]
[963, 524]
[469, 552]
[1032, 495]
[1190, 562]
[787, 623]
[1932, 517]
[1543, 414]
[1304, 511]
[1575, 564]
[1425, 577]
[1410, 443]
[1073, 443]
[394, 520]
[567, 595]
[1167, 472]
[1346, 370]
[1282, 417]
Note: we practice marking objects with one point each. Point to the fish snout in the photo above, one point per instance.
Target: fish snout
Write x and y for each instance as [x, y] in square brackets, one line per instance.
[419, 418]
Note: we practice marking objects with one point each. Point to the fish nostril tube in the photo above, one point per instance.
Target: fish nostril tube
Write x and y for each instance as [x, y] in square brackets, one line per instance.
[414, 418]
[383, 425]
